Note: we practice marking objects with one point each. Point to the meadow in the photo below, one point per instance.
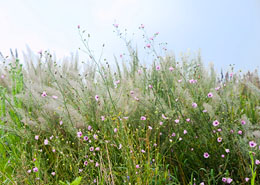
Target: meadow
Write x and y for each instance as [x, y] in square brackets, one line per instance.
[171, 122]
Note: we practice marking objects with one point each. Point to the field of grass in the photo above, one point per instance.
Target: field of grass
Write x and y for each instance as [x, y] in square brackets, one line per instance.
[172, 122]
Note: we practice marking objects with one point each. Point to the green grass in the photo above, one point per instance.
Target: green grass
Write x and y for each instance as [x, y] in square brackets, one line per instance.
[166, 148]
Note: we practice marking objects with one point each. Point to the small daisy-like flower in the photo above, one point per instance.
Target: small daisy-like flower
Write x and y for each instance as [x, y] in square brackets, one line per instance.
[97, 164]
[202, 183]
[143, 151]
[79, 134]
[150, 128]
[179, 81]
[44, 94]
[173, 134]
[148, 45]
[204, 111]
[246, 179]
[257, 162]
[177, 121]
[219, 129]
[139, 71]
[103, 118]
[194, 105]
[95, 136]
[143, 118]
[231, 131]
[55, 97]
[132, 92]
[224, 179]
[227, 150]
[80, 170]
[115, 130]
[222, 155]
[158, 68]
[210, 95]
[150, 86]
[185, 132]
[36, 137]
[120, 146]
[243, 122]
[29, 171]
[229, 180]
[97, 97]
[61, 122]
[171, 68]
[86, 163]
[85, 138]
[2, 76]
[46, 142]
[215, 123]
[240, 132]
[97, 149]
[252, 144]
[161, 123]
[35, 169]
[53, 173]
[137, 166]
[188, 119]
[206, 155]
[180, 139]
[217, 88]
[91, 149]
[164, 117]
[219, 139]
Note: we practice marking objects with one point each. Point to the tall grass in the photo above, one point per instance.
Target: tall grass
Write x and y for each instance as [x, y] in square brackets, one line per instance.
[128, 124]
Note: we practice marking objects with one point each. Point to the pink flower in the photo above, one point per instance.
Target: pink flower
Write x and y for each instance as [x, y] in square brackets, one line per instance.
[46, 142]
[217, 88]
[243, 122]
[79, 134]
[97, 164]
[161, 123]
[177, 121]
[150, 86]
[219, 139]
[115, 130]
[252, 144]
[222, 155]
[143, 151]
[139, 71]
[150, 128]
[148, 45]
[103, 118]
[163, 116]
[143, 118]
[29, 171]
[171, 68]
[91, 149]
[36, 137]
[173, 134]
[35, 169]
[194, 105]
[158, 68]
[206, 155]
[85, 138]
[246, 179]
[210, 95]
[224, 179]
[86, 163]
[204, 110]
[61, 122]
[78, 26]
[188, 119]
[2, 76]
[185, 132]
[227, 150]
[115, 25]
[137, 166]
[240, 132]
[89, 127]
[55, 97]
[53, 173]
[229, 180]
[95, 136]
[97, 97]
[215, 123]
[44, 94]
[257, 162]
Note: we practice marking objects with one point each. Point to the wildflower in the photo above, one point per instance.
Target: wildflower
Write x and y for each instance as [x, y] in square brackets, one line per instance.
[143, 151]
[61, 122]
[51, 137]
[97, 97]
[46, 141]
[78, 26]
[79, 134]
[246, 179]
[257, 162]
[91, 149]
[194, 105]
[53, 173]
[55, 97]
[115, 25]
[161, 123]
[202, 183]
[148, 45]
[139, 71]
[210, 95]
[171, 68]
[103, 118]
[29, 171]
[97, 164]
[131, 92]
[224, 179]
[2, 76]
[53, 150]
[80, 170]
[252, 144]
[206, 155]
[217, 88]
[231, 131]
[215, 123]
[180, 139]
[95, 136]
[222, 155]
[44, 94]
[177, 121]
[150, 86]
[243, 122]
[143, 118]
[229, 180]
[185, 132]
[173, 134]
[150, 128]
[137, 166]
[86, 163]
[142, 26]
[219, 139]
[89, 127]
[240, 132]
[179, 81]
[227, 150]
[219, 129]
[137, 99]
[158, 68]
[97, 149]
[35, 169]
[204, 111]
[163, 116]
[36, 137]
[120, 146]
[85, 138]
[115, 130]
[125, 117]
[188, 119]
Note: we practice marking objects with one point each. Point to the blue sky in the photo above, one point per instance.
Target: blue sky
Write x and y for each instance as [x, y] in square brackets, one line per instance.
[226, 31]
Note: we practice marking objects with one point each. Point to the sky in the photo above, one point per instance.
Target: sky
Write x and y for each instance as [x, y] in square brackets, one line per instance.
[225, 31]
